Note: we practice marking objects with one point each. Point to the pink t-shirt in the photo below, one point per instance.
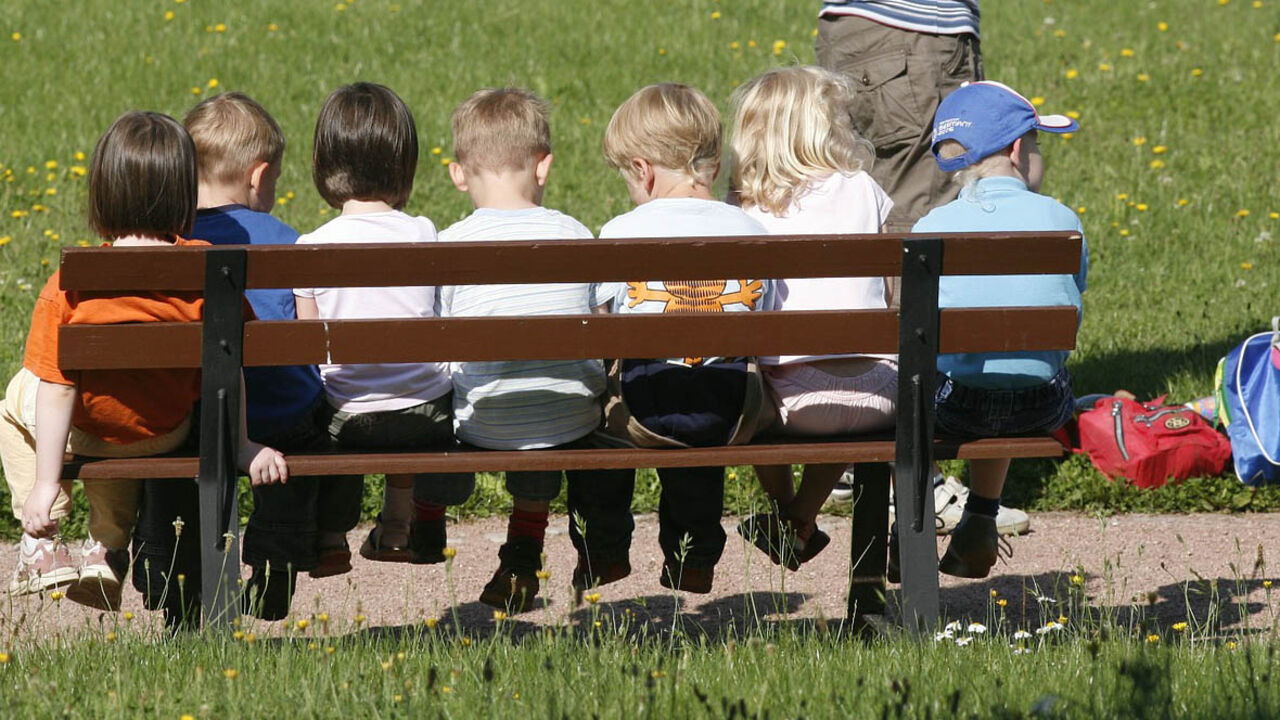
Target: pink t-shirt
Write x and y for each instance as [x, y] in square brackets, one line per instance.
[838, 203]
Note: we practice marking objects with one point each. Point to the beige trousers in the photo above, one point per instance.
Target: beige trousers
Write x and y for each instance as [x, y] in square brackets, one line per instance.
[113, 504]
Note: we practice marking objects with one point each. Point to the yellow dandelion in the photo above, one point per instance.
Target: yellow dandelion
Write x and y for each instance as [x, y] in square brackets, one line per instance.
[1073, 114]
[1002, 602]
[196, 90]
[499, 616]
[386, 664]
[1274, 215]
[329, 650]
[79, 170]
[56, 595]
[1242, 213]
[436, 150]
[397, 698]
[1179, 626]
[5, 658]
[51, 191]
[1104, 67]
[302, 624]
[339, 7]
[78, 156]
[272, 27]
[1157, 164]
[751, 43]
[1072, 74]
[1142, 207]
[543, 575]
[220, 27]
[51, 165]
[188, 717]
[230, 673]
[779, 46]
[168, 15]
[1276, 37]
[447, 161]
[1182, 202]
[1062, 619]
[466, 642]
[250, 638]
[1162, 26]
[1246, 266]
[1066, 136]
[1143, 77]
[446, 689]
[1159, 149]
[734, 45]
[1139, 141]
[1224, 2]
[1077, 580]
[662, 51]
[448, 552]
[1257, 4]
[715, 14]
[1059, 33]
[1231, 645]
[213, 83]
[282, 201]
[1197, 72]
[312, 645]
[1037, 101]
[592, 598]
[1124, 232]
[1154, 638]
[237, 635]
[5, 240]
[1126, 52]
[995, 592]
[16, 37]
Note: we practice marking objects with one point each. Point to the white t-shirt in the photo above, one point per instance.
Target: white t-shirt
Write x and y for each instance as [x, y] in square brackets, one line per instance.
[528, 404]
[839, 203]
[380, 387]
[687, 217]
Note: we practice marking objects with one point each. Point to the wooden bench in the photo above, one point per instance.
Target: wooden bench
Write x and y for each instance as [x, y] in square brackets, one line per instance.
[224, 343]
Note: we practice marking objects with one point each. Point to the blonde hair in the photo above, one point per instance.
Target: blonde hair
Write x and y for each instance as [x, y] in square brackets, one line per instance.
[502, 129]
[790, 126]
[672, 126]
[232, 132]
[970, 175]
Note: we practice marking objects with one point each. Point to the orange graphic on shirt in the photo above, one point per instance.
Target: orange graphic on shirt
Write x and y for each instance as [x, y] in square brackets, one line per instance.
[695, 296]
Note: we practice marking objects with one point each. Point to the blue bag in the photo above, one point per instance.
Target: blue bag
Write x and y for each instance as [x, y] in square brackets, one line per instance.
[1248, 381]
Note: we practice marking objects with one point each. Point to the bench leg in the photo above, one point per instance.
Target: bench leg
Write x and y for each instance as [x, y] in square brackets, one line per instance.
[867, 559]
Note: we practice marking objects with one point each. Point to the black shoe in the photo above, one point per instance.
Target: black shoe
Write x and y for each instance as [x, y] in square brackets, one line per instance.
[894, 571]
[687, 578]
[427, 540]
[515, 585]
[269, 593]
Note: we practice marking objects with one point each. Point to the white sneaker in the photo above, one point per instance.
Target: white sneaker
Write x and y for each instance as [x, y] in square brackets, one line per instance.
[98, 585]
[43, 564]
[843, 491]
[949, 498]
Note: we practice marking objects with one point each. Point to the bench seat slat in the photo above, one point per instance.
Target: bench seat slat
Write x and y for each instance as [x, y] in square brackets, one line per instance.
[167, 345]
[875, 449]
[371, 265]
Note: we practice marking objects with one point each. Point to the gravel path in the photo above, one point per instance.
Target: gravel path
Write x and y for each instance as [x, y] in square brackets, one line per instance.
[1170, 567]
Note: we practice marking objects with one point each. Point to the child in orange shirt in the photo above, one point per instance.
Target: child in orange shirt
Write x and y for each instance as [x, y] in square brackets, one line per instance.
[142, 192]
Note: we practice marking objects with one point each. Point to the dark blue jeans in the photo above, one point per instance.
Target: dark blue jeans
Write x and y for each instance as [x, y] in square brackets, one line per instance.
[967, 411]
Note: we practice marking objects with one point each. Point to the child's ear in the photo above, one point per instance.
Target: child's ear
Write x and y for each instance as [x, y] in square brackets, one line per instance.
[256, 174]
[642, 171]
[458, 175]
[543, 169]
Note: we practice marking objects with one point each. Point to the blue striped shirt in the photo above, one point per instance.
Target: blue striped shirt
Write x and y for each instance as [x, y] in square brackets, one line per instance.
[937, 17]
[522, 405]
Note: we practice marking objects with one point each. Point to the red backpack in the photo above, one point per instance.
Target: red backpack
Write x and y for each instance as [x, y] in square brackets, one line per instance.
[1150, 443]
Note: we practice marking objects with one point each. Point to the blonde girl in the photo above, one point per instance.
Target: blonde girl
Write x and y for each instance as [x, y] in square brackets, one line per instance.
[799, 167]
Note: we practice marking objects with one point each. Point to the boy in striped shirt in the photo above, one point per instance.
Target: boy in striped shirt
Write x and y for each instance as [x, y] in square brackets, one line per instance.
[502, 141]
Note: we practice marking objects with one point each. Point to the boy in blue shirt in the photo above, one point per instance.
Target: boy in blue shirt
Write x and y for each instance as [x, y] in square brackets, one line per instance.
[300, 525]
[987, 133]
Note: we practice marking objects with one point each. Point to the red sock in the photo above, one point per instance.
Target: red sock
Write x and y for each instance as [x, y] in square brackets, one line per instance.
[428, 511]
[528, 524]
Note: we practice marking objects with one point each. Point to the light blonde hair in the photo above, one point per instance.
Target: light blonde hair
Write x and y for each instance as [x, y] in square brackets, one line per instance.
[672, 126]
[790, 126]
[502, 129]
[970, 175]
[232, 133]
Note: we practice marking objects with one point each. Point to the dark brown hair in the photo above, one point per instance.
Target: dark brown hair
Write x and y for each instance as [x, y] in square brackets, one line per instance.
[142, 179]
[366, 146]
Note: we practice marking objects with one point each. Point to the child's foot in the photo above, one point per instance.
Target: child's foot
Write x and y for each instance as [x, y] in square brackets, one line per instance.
[98, 585]
[427, 539]
[779, 539]
[269, 593]
[43, 564]
[333, 557]
[687, 578]
[515, 585]
[592, 573]
[385, 544]
[974, 548]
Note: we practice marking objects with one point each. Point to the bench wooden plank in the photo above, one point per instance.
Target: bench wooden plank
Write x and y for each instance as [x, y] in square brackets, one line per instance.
[874, 449]
[572, 337]
[370, 265]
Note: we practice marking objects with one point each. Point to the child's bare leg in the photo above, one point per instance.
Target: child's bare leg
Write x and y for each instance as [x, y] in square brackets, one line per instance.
[815, 488]
[986, 480]
[776, 482]
[397, 510]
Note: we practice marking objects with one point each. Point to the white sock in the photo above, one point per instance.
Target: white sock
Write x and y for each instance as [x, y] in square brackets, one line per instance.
[29, 544]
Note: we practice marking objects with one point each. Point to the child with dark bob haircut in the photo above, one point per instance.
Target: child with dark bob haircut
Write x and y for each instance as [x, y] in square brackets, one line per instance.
[366, 152]
[142, 192]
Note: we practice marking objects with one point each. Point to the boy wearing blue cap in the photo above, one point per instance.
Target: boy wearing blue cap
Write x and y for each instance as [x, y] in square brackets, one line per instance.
[986, 133]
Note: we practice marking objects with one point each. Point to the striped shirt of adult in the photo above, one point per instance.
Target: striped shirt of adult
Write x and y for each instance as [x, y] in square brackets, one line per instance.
[522, 405]
[936, 17]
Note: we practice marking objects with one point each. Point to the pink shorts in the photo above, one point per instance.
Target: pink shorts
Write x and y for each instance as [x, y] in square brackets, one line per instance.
[813, 402]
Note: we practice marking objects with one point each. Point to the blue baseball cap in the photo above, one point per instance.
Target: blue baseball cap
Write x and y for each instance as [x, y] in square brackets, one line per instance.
[986, 117]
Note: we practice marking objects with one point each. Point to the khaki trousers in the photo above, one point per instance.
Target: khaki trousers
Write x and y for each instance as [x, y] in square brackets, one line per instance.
[113, 504]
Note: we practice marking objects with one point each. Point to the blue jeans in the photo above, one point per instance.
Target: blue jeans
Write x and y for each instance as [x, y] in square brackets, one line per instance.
[967, 411]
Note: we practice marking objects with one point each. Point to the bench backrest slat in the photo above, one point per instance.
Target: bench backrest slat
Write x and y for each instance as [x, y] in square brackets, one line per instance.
[140, 269]
[153, 345]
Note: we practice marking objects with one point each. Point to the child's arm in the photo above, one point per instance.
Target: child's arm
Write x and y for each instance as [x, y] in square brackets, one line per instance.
[306, 308]
[54, 404]
[265, 465]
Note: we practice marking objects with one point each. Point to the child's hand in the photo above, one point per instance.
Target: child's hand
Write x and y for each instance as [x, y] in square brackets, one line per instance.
[35, 512]
[266, 465]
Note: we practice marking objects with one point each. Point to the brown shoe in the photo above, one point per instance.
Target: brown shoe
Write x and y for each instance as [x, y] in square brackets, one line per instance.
[515, 585]
[375, 549]
[975, 546]
[687, 578]
[777, 538]
[330, 561]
